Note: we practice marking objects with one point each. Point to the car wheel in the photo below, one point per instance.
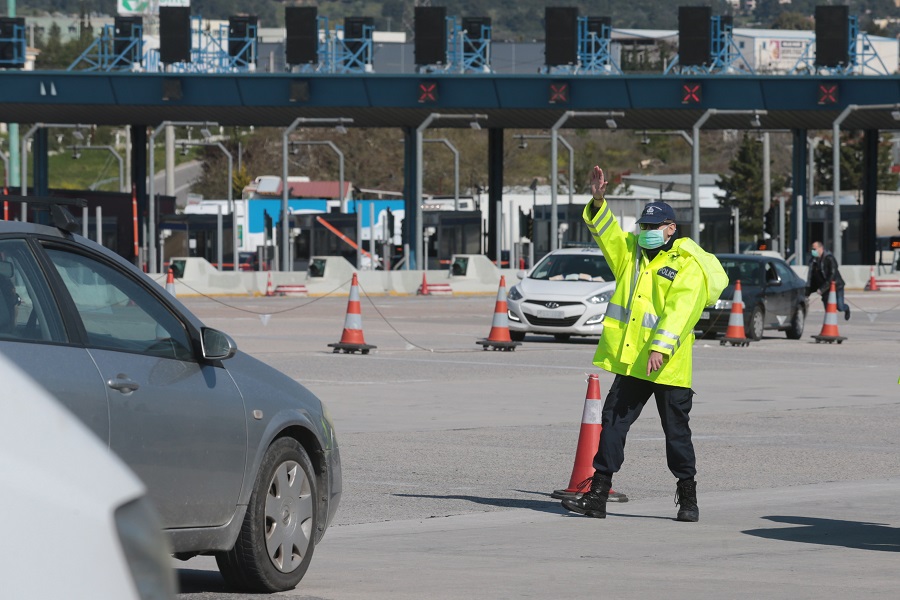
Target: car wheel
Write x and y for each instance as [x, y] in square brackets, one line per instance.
[757, 323]
[562, 337]
[276, 542]
[797, 322]
[517, 336]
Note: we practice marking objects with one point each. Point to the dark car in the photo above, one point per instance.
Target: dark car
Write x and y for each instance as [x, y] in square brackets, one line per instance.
[774, 297]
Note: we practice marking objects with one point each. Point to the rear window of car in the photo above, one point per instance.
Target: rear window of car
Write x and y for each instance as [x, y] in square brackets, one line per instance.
[573, 267]
[750, 272]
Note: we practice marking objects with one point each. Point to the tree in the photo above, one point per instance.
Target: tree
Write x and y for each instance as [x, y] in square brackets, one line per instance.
[744, 186]
[794, 21]
[852, 168]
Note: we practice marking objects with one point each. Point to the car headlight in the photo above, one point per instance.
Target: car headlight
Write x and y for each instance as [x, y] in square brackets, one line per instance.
[514, 293]
[723, 304]
[146, 550]
[600, 298]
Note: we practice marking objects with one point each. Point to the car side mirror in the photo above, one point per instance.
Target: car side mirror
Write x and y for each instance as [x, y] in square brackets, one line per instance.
[774, 280]
[520, 274]
[217, 345]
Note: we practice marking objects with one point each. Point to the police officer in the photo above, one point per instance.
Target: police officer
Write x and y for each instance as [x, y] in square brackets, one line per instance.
[662, 286]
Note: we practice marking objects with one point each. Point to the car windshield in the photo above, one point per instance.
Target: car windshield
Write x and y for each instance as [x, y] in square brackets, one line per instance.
[573, 267]
[750, 272]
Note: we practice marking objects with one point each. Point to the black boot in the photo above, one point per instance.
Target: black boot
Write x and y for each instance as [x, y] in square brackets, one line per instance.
[593, 503]
[686, 499]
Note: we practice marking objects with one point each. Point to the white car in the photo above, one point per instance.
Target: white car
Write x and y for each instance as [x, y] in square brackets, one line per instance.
[66, 494]
[565, 294]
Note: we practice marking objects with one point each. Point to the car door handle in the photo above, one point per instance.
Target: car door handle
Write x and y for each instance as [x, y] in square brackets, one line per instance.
[123, 384]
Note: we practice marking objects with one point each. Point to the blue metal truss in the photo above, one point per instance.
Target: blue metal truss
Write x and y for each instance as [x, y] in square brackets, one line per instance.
[594, 57]
[101, 55]
[209, 51]
[350, 55]
[724, 55]
[864, 61]
[468, 54]
[17, 60]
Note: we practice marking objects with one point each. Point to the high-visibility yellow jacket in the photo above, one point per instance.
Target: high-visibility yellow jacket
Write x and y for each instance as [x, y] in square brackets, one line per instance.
[656, 303]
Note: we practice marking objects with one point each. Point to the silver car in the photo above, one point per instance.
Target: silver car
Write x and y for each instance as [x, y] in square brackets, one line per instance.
[240, 461]
[565, 294]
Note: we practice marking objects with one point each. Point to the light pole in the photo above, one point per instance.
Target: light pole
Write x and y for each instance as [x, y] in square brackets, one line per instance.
[151, 187]
[836, 231]
[230, 196]
[24, 156]
[339, 122]
[76, 154]
[554, 151]
[695, 160]
[474, 123]
[455, 152]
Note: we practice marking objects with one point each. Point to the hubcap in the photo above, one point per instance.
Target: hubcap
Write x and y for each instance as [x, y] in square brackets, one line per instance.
[289, 512]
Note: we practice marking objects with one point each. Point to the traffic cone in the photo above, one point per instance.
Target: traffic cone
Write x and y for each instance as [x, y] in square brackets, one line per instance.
[829, 331]
[588, 441]
[499, 337]
[735, 333]
[423, 289]
[170, 282]
[352, 338]
[873, 284]
[270, 291]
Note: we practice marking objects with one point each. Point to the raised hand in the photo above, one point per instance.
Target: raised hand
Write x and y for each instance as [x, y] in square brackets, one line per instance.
[598, 183]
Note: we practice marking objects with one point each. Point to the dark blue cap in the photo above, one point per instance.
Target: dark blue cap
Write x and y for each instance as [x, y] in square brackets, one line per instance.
[656, 213]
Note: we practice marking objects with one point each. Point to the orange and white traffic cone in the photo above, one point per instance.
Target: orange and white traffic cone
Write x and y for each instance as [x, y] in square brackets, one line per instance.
[588, 441]
[735, 334]
[270, 291]
[352, 339]
[170, 282]
[873, 284]
[423, 289]
[499, 337]
[829, 331]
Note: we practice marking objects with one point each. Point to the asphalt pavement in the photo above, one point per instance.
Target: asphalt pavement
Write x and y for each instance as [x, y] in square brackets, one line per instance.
[450, 453]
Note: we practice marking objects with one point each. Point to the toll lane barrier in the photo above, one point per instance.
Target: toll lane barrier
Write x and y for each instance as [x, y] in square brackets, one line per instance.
[331, 275]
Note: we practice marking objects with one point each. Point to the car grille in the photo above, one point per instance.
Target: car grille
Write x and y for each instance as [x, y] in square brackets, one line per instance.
[544, 303]
[567, 322]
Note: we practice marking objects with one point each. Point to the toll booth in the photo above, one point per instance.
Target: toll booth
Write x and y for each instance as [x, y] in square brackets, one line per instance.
[455, 232]
[819, 227]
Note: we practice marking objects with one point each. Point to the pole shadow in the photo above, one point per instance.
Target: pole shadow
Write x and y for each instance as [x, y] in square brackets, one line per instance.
[859, 535]
[549, 506]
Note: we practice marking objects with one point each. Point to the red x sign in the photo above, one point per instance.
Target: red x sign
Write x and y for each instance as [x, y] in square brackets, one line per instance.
[428, 91]
[691, 93]
[828, 93]
[559, 93]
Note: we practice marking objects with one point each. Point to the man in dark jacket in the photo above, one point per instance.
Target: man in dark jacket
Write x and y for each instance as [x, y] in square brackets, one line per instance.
[823, 269]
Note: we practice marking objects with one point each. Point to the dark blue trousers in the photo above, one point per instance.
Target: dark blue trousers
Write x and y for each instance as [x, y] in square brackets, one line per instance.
[624, 402]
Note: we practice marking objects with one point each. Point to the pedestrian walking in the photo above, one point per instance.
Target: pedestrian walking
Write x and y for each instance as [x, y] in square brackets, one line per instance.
[823, 269]
[662, 285]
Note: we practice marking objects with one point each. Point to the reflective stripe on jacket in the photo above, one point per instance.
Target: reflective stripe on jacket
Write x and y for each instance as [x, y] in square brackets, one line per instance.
[656, 303]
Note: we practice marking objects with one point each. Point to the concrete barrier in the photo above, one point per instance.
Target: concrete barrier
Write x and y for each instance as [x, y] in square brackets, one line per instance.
[195, 276]
[473, 274]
